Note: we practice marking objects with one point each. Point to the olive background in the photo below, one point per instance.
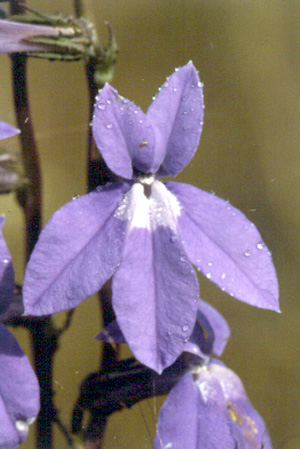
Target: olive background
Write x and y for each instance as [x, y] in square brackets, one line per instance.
[248, 56]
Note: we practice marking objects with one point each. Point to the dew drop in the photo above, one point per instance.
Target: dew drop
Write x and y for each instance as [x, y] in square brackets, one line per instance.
[166, 84]
[108, 101]
[109, 126]
[175, 89]
[200, 84]
[208, 275]
[186, 340]
[260, 245]
[174, 238]
[75, 197]
[247, 253]
[135, 111]
[184, 112]
[5, 261]
[210, 264]
[185, 328]
[223, 275]
[101, 106]
[141, 121]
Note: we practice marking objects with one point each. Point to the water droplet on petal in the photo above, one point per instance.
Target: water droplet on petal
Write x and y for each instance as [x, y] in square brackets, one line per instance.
[184, 112]
[208, 275]
[141, 121]
[5, 261]
[223, 275]
[175, 89]
[247, 253]
[109, 126]
[185, 328]
[260, 245]
[210, 264]
[108, 101]
[75, 197]
[101, 106]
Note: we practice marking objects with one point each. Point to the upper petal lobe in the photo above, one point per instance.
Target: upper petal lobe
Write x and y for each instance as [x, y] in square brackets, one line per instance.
[177, 118]
[123, 134]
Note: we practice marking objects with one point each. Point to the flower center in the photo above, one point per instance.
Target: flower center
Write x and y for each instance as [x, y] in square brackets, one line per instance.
[149, 204]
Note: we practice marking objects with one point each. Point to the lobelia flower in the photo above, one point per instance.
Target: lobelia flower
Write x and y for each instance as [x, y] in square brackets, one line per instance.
[147, 233]
[19, 389]
[208, 407]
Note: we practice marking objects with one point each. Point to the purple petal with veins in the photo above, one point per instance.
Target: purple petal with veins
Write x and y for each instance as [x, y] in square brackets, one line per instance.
[222, 243]
[77, 252]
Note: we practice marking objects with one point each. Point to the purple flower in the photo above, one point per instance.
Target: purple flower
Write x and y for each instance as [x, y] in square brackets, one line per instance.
[147, 233]
[209, 408]
[19, 389]
[15, 37]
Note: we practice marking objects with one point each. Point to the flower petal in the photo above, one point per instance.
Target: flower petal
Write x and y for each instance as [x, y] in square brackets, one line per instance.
[7, 278]
[195, 416]
[246, 418]
[177, 118]
[19, 392]
[222, 243]
[77, 251]
[216, 330]
[7, 130]
[155, 292]
[111, 334]
[13, 36]
[122, 133]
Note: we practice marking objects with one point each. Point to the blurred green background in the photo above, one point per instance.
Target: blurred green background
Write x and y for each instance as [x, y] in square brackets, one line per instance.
[248, 56]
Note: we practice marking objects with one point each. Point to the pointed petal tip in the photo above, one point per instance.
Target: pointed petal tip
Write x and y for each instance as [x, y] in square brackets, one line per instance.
[7, 130]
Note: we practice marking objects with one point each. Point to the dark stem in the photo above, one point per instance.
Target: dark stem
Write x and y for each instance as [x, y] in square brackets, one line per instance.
[30, 197]
[77, 8]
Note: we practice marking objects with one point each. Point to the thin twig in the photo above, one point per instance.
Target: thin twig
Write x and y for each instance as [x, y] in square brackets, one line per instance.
[67, 323]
